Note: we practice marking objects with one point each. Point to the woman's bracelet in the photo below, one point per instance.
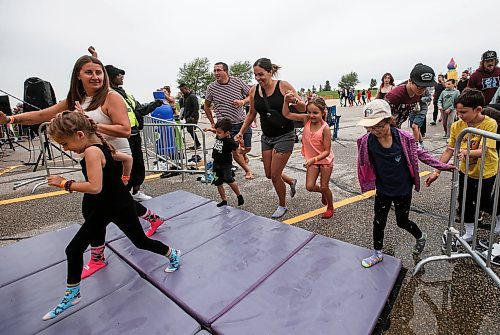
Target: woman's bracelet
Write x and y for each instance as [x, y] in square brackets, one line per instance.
[63, 183]
[315, 159]
[11, 119]
[125, 178]
[67, 185]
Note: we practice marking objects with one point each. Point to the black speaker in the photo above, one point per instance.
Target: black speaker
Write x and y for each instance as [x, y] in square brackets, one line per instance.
[5, 105]
[39, 93]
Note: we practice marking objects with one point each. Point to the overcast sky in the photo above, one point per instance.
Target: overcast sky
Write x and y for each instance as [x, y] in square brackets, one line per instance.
[312, 40]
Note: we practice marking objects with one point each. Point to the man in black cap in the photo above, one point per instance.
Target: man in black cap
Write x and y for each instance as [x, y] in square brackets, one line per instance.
[487, 76]
[404, 98]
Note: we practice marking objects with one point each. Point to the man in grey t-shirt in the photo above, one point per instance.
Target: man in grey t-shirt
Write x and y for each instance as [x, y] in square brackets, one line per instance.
[229, 95]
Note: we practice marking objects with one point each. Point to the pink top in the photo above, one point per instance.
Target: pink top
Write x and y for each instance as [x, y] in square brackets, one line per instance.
[313, 144]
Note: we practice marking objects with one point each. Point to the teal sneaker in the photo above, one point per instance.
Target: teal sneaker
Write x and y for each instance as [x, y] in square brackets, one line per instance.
[175, 260]
[377, 257]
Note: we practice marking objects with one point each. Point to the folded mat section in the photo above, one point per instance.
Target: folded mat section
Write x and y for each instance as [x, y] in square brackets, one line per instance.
[322, 289]
[26, 257]
[217, 274]
[166, 206]
[184, 232]
[24, 302]
[136, 308]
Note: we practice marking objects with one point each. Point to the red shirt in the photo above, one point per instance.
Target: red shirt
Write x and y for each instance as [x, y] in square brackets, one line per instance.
[487, 82]
[401, 103]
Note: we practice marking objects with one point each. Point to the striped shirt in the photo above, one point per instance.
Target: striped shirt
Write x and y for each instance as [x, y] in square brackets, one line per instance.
[223, 95]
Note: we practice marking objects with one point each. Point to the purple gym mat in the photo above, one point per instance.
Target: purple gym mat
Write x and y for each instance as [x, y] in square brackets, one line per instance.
[203, 332]
[323, 289]
[216, 275]
[185, 232]
[137, 308]
[167, 206]
[24, 302]
[26, 257]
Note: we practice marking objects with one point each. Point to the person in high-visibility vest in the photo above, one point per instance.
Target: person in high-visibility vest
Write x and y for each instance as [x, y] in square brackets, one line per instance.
[135, 111]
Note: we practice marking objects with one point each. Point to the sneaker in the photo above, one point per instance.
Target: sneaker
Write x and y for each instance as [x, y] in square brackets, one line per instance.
[71, 298]
[194, 147]
[433, 123]
[279, 212]
[454, 248]
[420, 244]
[293, 188]
[377, 257]
[155, 221]
[328, 214]
[141, 196]
[92, 267]
[175, 260]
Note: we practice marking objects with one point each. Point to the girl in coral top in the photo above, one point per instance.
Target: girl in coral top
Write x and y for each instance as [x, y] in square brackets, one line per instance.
[316, 148]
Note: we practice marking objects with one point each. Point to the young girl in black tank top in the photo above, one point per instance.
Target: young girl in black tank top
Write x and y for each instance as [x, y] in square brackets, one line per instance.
[106, 199]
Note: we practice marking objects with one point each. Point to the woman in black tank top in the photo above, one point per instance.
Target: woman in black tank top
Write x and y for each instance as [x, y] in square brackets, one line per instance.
[267, 98]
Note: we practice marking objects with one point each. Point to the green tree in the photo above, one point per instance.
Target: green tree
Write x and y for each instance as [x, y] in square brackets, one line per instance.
[327, 86]
[242, 70]
[373, 83]
[320, 88]
[349, 80]
[314, 89]
[196, 74]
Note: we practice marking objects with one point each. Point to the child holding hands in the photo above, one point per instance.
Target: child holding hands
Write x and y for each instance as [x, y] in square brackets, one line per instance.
[316, 148]
[388, 161]
[223, 160]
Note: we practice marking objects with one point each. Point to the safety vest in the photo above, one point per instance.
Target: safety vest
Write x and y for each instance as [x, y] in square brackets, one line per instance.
[131, 104]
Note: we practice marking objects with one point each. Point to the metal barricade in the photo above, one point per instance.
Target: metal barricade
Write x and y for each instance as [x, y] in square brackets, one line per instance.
[163, 146]
[451, 232]
[53, 157]
[165, 150]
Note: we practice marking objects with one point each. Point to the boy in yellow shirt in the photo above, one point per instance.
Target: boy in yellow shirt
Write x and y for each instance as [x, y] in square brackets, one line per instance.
[469, 106]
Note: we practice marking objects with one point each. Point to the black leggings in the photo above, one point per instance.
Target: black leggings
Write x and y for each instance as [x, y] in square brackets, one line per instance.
[402, 209]
[99, 239]
[138, 169]
[95, 225]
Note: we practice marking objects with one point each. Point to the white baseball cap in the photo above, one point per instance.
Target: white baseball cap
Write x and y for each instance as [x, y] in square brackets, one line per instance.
[374, 112]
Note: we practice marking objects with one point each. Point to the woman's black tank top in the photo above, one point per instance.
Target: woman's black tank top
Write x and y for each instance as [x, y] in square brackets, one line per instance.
[114, 194]
[276, 101]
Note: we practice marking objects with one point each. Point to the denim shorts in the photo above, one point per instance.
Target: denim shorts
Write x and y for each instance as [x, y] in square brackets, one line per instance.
[247, 136]
[418, 119]
[282, 144]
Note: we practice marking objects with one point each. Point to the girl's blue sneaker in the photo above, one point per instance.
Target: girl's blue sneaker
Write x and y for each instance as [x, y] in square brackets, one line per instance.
[377, 257]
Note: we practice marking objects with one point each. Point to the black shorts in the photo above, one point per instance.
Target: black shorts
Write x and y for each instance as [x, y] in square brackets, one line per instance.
[223, 175]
